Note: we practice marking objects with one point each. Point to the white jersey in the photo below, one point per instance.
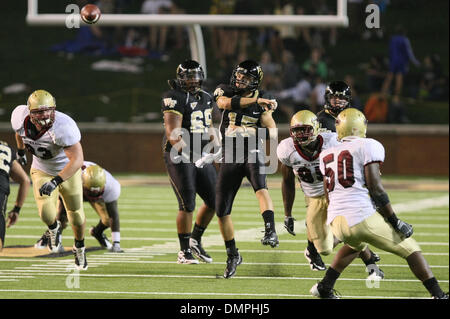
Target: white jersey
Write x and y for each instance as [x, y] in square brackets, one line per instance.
[112, 185]
[343, 166]
[47, 148]
[305, 168]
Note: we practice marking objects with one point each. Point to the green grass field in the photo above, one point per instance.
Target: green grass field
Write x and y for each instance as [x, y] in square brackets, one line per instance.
[148, 268]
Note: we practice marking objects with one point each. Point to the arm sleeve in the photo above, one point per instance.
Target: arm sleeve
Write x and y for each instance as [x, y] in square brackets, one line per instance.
[66, 131]
[373, 151]
[173, 102]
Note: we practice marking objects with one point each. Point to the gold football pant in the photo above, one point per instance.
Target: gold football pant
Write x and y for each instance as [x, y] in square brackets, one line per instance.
[375, 231]
[71, 191]
[317, 229]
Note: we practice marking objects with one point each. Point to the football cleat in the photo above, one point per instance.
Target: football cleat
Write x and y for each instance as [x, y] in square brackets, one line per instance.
[115, 248]
[198, 251]
[43, 241]
[270, 238]
[319, 291]
[185, 257]
[315, 260]
[54, 239]
[80, 258]
[232, 262]
[374, 256]
[101, 238]
[444, 296]
[375, 273]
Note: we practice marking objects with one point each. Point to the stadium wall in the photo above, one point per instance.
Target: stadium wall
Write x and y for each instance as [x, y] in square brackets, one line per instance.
[136, 148]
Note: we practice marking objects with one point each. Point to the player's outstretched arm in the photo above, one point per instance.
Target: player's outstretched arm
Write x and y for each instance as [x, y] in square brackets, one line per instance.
[381, 199]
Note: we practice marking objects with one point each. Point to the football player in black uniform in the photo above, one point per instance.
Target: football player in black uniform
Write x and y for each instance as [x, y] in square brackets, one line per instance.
[187, 119]
[338, 96]
[245, 111]
[10, 167]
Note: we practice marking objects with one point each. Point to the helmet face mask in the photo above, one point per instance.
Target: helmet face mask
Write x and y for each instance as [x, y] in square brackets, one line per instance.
[190, 76]
[41, 105]
[43, 118]
[337, 97]
[246, 77]
[304, 128]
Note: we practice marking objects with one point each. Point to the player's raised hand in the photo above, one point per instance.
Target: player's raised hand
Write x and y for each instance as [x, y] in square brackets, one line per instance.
[267, 104]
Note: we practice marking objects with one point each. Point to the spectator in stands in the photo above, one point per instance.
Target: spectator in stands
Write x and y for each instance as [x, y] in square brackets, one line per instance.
[356, 101]
[296, 98]
[287, 32]
[376, 108]
[271, 72]
[433, 84]
[400, 54]
[303, 33]
[376, 72]
[224, 40]
[290, 70]
[315, 65]
[318, 95]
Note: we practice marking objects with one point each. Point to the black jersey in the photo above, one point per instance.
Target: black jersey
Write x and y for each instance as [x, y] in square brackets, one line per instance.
[246, 117]
[326, 120]
[196, 110]
[7, 156]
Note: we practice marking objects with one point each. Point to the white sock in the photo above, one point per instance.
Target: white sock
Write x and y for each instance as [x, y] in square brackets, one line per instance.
[115, 236]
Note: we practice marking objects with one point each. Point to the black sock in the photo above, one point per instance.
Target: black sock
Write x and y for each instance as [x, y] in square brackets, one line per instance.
[54, 225]
[330, 278]
[184, 240]
[197, 232]
[269, 221]
[231, 247]
[100, 227]
[433, 287]
[312, 248]
[79, 243]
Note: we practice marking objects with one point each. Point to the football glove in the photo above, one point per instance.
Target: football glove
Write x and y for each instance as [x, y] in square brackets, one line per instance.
[208, 158]
[289, 224]
[22, 157]
[400, 226]
[50, 186]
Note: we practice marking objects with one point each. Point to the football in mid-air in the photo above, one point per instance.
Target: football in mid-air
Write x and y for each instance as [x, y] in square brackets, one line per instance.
[90, 13]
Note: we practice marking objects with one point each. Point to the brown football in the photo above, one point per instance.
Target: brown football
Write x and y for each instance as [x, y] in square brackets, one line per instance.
[90, 13]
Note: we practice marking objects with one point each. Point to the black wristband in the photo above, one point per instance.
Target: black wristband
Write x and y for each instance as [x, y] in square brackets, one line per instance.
[393, 220]
[16, 209]
[235, 102]
[57, 180]
[21, 152]
[380, 200]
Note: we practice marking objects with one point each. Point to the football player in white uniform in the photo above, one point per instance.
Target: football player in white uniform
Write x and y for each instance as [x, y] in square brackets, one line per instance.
[353, 185]
[299, 155]
[102, 191]
[54, 140]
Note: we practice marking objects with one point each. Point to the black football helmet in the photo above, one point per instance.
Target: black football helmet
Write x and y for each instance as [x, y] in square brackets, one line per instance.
[342, 92]
[190, 76]
[252, 77]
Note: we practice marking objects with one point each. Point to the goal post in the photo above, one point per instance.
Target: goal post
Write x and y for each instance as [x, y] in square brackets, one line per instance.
[194, 22]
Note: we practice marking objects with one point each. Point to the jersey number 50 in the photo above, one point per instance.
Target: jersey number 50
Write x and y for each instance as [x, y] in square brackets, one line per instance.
[344, 170]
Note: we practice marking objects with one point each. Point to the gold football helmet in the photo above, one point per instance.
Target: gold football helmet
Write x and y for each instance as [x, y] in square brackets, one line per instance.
[42, 109]
[94, 180]
[304, 127]
[351, 122]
